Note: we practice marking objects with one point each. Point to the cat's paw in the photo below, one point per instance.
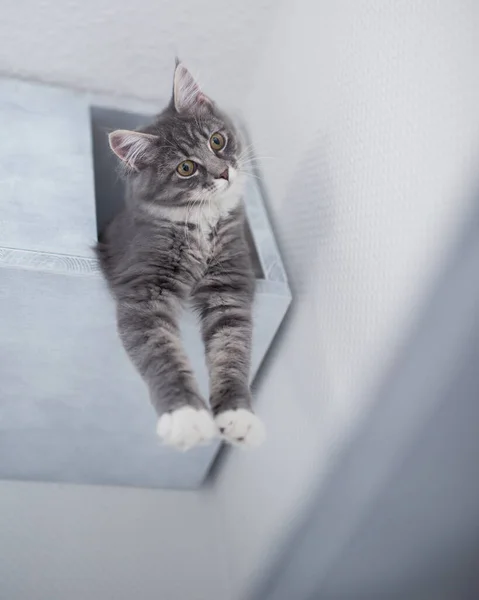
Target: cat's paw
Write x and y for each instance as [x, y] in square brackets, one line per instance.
[186, 427]
[241, 427]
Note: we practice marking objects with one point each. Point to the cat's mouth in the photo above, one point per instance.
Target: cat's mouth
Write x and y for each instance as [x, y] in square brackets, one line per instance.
[221, 186]
[226, 179]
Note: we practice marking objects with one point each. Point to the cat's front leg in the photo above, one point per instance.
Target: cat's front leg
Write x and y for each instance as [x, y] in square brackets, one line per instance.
[150, 333]
[224, 302]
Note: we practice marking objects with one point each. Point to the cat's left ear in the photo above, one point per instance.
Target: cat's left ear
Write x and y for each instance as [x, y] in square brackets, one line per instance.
[187, 94]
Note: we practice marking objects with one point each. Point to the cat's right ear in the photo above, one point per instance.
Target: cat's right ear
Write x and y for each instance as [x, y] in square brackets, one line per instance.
[187, 94]
[137, 150]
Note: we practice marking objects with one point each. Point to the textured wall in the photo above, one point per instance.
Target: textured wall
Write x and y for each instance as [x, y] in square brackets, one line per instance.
[399, 515]
[129, 47]
[366, 116]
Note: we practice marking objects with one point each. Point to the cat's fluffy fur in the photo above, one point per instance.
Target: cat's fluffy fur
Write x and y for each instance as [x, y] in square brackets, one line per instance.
[181, 240]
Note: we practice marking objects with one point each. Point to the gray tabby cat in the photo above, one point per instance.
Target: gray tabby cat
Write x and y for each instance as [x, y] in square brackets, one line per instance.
[180, 240]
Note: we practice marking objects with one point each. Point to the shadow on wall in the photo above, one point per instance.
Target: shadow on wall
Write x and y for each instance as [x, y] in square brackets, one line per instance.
[398, 517]
[303, 231]
[304, 222]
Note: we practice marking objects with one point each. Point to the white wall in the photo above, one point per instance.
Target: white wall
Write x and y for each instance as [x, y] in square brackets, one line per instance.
[369, 111]
[78, 542]
[128, 48]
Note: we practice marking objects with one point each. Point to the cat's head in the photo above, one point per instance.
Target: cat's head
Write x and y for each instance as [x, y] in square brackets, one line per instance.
[190, 154]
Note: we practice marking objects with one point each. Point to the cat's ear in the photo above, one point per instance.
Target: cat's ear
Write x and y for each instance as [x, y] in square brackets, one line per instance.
[187, 94]
[137, 150]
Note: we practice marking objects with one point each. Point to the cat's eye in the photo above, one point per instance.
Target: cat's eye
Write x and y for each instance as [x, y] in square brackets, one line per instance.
[186, 168]
[217, 141]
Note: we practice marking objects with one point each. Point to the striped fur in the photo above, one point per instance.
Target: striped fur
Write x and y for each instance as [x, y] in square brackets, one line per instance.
[181, 241]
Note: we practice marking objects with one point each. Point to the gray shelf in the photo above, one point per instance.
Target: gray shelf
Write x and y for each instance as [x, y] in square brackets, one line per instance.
[72, 408]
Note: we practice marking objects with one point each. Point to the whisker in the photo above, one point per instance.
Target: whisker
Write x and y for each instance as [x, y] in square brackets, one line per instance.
[258, 157]
[249, 174]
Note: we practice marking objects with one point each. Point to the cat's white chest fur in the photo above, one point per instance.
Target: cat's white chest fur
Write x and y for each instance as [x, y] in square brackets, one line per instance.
[206, 215]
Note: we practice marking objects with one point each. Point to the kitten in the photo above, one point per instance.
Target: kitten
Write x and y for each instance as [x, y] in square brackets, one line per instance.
[180, 240]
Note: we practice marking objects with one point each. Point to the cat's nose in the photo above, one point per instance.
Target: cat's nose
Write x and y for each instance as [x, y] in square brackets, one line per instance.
[224, 175]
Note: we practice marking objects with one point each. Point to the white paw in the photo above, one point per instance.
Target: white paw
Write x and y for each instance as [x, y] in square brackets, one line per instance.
[186, 427]
[241, 427]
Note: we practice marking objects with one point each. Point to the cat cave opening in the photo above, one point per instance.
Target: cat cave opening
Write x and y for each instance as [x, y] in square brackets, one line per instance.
[109, 186]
